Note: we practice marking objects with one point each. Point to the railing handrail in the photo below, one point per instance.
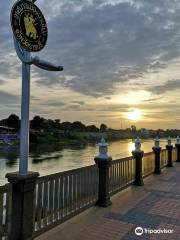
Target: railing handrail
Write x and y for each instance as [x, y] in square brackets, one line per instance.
[59, 174]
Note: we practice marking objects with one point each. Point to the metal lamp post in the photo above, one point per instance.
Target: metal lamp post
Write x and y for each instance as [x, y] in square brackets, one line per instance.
[24, 182]
[27, 60]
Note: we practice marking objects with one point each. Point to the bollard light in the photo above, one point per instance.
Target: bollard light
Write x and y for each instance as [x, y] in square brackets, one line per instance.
[103, 149]
[169, 141]
[138, 144]
[157, 142]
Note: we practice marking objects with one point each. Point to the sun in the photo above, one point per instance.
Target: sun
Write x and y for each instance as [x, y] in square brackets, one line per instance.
[134, 115]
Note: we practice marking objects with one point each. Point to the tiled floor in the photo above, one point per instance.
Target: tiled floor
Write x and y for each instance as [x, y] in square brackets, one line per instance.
[155, 206]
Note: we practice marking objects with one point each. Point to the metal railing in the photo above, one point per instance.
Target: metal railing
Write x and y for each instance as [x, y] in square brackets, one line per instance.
[148, 164]
[174, 154]
[121, 174]
[163, 158]
[5, 210]
[63, 195]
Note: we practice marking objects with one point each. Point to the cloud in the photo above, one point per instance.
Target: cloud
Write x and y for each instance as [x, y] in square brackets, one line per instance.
[105, 43]
[101, 43]
[2, 82]
[170, 85]
[8, 98]
[107, 47]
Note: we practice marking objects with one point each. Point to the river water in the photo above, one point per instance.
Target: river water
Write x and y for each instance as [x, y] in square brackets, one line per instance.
[47, 160]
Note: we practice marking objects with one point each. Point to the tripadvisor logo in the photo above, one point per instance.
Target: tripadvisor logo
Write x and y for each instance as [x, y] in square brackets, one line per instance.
[139, 231]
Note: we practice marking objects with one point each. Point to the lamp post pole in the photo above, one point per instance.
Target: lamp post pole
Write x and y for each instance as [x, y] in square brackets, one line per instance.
[25, 101]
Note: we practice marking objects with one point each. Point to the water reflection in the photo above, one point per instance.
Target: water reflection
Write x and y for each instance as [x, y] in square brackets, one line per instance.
[48, 159]
[131, 147]
[10, 153]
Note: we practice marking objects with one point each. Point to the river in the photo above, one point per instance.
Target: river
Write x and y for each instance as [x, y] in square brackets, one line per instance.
[47, 160]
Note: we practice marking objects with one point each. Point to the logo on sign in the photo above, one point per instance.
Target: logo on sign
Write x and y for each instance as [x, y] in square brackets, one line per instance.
[29, 26]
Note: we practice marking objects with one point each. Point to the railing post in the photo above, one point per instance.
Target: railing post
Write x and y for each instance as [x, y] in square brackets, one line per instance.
[169, 148]
[23, 187]
[138, 155]
[157, 153]
[104, 162]
[178, 149]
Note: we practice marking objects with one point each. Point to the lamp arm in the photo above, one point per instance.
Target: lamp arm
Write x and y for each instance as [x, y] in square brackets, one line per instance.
[46, 65]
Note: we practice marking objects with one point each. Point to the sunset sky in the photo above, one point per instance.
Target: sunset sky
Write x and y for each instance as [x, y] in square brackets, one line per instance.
[121, 63]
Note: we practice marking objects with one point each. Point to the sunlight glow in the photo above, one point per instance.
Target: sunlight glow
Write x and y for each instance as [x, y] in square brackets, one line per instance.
[134, 115]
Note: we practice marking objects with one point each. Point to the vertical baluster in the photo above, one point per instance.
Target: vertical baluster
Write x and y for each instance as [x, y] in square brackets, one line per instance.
[51, 200]
[115, 180]
[61, 198]
[79, 190]
[117, 166]
[110, 174]
[1, 216]
[114, 177]
[8, 210]
[39, 206]
[126, 167]
[87, 187]
[45, 204]
[90, 185]
[131, 169]
[74, 193]
[128, 181]
[124, 164]
[95, 183]
[56, 199]
[92, 182]
[66, 188]
[70, 193]
[122, 173]
[76, 190]
[117, 175]
[84, 180]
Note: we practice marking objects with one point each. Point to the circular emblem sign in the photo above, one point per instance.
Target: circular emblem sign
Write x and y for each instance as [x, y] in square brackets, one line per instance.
[29, 26]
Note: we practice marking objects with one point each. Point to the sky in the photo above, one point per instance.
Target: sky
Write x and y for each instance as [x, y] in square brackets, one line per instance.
[121, 63]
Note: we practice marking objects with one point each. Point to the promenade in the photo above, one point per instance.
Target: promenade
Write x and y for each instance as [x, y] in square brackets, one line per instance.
[156, 205]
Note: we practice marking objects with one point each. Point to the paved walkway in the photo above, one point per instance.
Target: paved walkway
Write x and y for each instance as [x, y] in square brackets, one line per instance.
[156, 206]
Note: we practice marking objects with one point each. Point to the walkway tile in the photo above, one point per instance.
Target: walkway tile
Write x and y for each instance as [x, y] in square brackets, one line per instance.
[106, 229]
[167, 207]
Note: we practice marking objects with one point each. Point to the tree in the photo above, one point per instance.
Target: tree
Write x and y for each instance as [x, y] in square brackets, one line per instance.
[133, 128]
[92, 128]
[103, 127]
[37, 123]
[13, 121]
[78, 126]
[57, 123]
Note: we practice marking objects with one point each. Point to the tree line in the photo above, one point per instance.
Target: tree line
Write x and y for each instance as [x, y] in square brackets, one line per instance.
[40, 123]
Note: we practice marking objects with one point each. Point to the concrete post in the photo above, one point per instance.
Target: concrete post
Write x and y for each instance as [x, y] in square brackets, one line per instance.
[157, 153]
[169, 147]
[23, 187]
[104, 162]
[178, 149]
[138, 155]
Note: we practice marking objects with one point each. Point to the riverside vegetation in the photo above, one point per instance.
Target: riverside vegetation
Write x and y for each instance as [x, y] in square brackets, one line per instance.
[43, 131]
